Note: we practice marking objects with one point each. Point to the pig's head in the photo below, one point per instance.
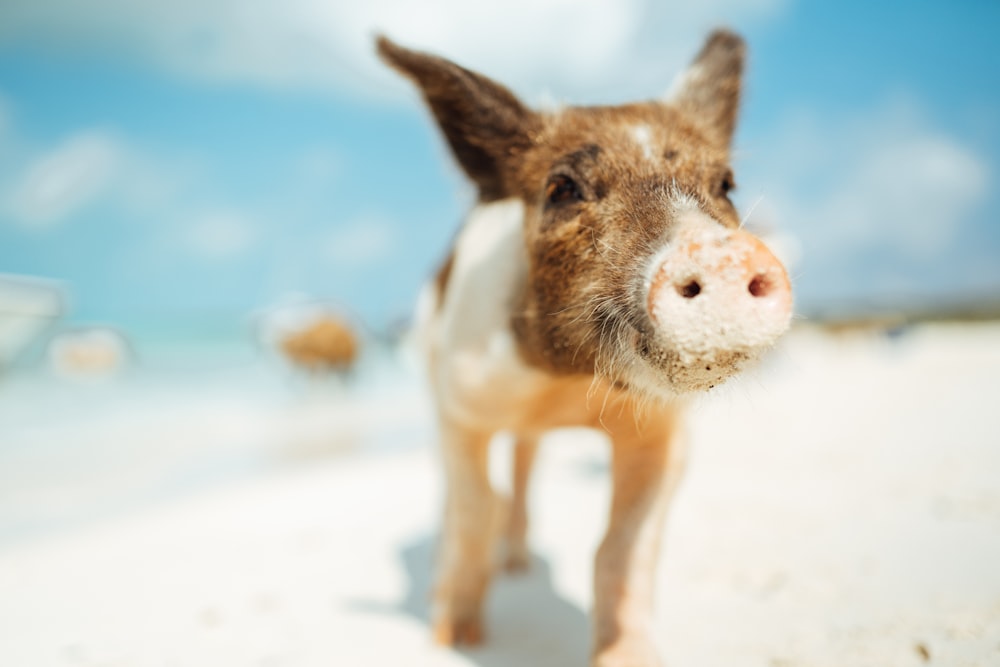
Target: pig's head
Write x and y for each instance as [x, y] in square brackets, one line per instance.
[637, 267]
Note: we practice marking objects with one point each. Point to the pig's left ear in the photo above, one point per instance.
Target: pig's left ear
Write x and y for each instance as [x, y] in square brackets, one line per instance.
[484, 123]
[710, 89]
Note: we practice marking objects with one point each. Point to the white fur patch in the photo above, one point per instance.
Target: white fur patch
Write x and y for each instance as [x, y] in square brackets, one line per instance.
[471, 340]
[489, 262]
[643, 136]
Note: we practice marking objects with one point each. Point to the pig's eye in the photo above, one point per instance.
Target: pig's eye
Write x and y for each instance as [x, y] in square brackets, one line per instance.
[726, 185]
[562, 189]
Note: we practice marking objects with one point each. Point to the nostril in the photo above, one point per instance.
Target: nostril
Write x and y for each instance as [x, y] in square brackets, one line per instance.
[689, 290]
[760, 286]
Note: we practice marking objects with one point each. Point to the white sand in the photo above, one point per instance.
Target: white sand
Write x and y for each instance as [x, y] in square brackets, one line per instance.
[842, 508]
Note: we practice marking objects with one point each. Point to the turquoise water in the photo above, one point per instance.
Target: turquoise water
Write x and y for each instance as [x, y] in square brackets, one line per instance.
[184, 417]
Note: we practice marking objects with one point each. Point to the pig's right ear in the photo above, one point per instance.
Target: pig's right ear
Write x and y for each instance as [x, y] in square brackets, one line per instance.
[484, 123]
[710, 89]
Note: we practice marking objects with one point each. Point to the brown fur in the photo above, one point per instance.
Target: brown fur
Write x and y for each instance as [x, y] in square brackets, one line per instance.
[598, 186]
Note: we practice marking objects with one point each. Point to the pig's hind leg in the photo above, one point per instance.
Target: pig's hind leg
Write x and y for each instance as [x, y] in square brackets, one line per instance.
[518, 557]
[465, 558]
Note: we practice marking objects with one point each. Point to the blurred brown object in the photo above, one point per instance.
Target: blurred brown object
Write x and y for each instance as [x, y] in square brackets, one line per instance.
[325, 344]
[89, 352]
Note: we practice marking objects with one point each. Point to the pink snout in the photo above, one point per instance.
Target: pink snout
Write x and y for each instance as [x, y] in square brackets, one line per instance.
[718, 294]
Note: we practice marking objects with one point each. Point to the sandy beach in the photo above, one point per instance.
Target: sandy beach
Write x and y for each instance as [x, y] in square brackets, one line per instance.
[842, 508]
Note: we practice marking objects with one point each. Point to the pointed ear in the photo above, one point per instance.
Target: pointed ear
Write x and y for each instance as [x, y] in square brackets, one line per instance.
[710, 89]
[484, 123]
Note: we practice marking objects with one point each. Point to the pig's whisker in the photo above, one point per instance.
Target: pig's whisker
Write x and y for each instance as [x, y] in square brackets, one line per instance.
[750, 212]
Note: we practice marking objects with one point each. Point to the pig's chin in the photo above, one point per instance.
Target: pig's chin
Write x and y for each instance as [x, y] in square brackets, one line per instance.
[688, 373]
[700, 351]
[661, 370]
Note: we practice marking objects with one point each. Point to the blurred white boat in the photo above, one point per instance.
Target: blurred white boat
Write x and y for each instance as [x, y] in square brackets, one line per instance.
[28, 306]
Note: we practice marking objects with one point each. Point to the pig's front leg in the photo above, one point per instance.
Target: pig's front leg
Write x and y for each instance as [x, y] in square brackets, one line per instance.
[465, 558]
[646, 469]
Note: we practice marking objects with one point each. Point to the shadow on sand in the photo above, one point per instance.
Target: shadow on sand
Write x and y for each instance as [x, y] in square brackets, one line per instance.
[527, 621]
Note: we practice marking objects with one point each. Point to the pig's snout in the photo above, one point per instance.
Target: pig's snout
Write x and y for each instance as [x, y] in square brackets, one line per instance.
[717, 299]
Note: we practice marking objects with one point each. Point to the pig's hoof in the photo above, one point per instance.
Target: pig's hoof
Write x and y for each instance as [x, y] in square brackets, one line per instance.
[458, 631]
[628, 653]
[456, 611]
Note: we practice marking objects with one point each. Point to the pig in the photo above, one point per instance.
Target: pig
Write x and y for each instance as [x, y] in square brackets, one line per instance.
[601, 280]
[326, 344]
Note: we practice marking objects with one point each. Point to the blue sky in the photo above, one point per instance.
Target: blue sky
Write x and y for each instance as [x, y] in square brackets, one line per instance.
[185, 163]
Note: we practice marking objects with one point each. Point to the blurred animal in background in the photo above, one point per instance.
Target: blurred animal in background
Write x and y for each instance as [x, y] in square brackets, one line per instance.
[90, 352]
[326, 344]
[313, 335]
[601, 279]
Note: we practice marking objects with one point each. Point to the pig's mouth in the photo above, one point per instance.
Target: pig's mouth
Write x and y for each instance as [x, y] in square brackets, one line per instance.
[664, 361]
[647, 363]
[685, 371]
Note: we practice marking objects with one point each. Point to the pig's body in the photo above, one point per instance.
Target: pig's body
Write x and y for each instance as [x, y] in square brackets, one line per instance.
[601, 278]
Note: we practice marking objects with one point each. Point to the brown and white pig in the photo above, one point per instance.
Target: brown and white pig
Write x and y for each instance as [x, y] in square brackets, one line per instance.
[601, 278]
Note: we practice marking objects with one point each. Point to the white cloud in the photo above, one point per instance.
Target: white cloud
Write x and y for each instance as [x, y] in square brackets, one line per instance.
[364, 241]
[47, 186]
[916, 192]
[221, 234]
[66, 178]
[879, 200]
[581, 45]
